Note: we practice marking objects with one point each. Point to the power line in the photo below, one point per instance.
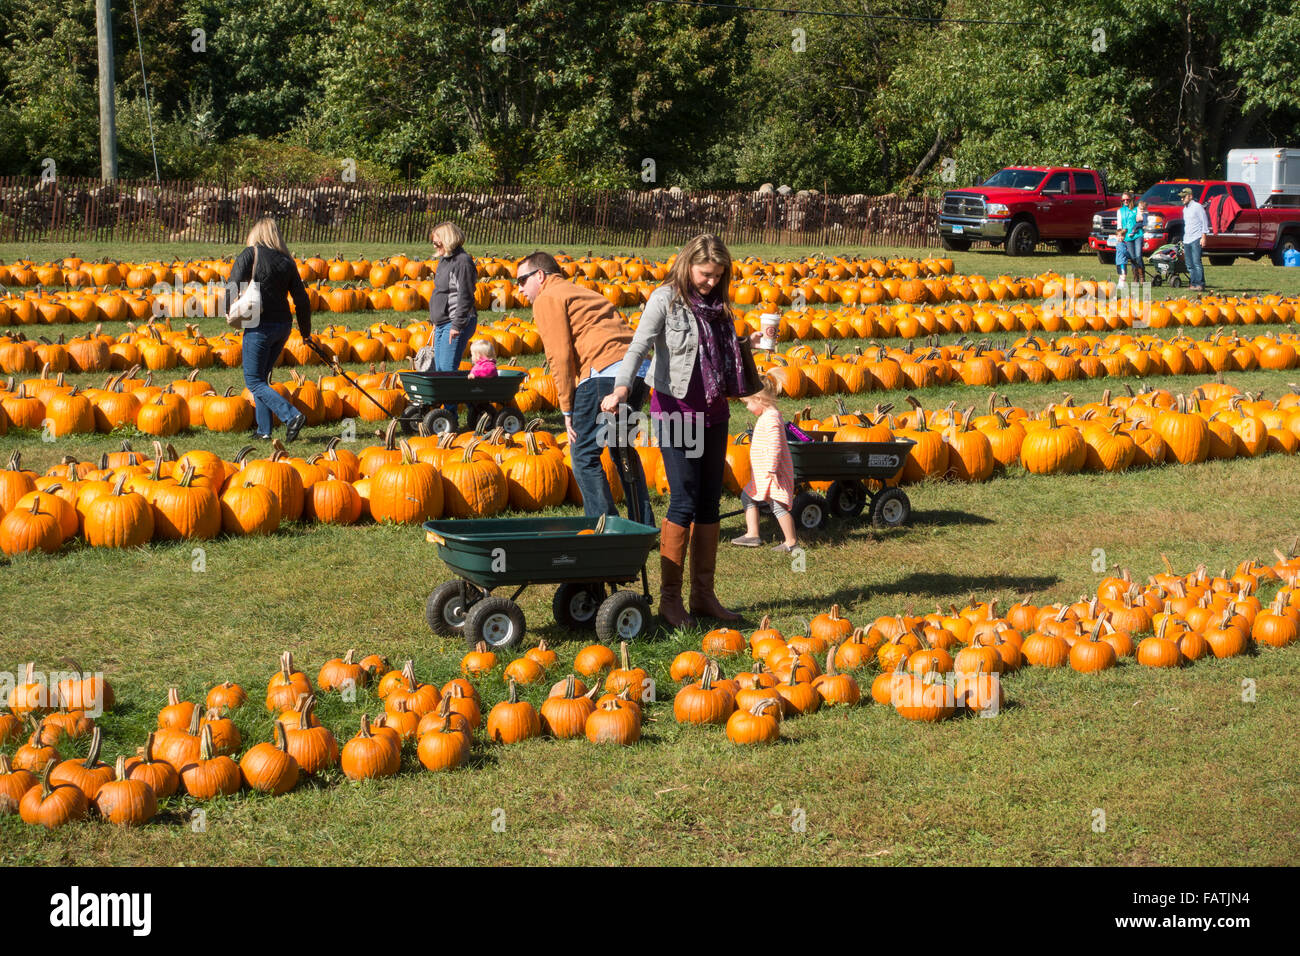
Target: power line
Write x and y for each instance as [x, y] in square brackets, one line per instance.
[148, 106]
[842, 15]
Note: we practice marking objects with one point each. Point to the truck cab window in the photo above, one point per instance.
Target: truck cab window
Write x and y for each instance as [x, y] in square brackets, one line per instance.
[1085, 183]
[1057, 182]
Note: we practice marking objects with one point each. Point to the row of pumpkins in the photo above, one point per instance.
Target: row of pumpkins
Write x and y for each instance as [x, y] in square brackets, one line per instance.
[929, 668]
[125, 499]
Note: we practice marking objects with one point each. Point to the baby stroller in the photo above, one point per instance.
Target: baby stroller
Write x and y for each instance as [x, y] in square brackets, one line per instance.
[1169, 264]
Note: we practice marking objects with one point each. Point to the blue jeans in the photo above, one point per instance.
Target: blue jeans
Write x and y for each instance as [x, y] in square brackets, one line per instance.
[447, 352]
[695, 477]
[1135, 252]
[1192, 255]
[262, 348]
[593, 434]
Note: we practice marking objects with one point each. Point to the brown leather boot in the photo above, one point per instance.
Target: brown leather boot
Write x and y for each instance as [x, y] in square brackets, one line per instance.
[673, 540]
[704, 558]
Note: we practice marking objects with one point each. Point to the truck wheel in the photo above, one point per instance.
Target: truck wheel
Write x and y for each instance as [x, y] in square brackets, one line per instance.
[1222, 260]
[1069, 247]
[1022, 239]
[1289, 241]
[953, 244]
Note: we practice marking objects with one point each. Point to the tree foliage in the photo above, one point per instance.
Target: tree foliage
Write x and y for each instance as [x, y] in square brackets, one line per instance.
[472, 93]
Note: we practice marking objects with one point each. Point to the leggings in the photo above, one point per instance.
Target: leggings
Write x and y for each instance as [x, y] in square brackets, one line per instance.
[778, 510]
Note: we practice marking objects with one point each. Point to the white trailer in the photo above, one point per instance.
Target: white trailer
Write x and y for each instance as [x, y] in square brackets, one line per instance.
[1272, 173]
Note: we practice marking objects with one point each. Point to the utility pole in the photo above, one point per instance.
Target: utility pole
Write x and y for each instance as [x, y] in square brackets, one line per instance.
[107, 107]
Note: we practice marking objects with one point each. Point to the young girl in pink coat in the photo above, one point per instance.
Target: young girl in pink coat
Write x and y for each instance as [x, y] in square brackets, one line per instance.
[484, 356]
[771, 473]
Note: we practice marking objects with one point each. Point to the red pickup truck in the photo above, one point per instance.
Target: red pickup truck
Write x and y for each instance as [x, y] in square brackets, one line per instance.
[1024, 205]
[1254, 233]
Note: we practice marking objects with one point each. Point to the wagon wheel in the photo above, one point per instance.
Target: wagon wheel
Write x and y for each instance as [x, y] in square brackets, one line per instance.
[575, 604]
[846, 499]
[810, 511]
[511, 420]
[444, 611]
[891, 508]
[410, 418]
[440, 421]
[497, 621]
[623, 616]
[483, 408]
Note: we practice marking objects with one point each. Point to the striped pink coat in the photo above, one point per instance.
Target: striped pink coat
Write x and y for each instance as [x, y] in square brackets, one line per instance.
[772, 474]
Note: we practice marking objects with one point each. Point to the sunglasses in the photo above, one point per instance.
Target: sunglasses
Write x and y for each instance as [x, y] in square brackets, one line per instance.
[520, 280]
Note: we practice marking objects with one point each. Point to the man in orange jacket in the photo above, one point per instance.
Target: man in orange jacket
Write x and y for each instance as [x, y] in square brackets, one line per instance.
[585, 339]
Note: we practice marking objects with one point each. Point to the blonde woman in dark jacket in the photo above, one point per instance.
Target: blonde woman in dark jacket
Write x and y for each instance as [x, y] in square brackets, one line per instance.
[451, 306]
[266, 332]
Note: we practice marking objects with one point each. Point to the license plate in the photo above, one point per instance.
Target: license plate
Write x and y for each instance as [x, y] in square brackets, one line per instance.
[958, 230]
[1112, 241]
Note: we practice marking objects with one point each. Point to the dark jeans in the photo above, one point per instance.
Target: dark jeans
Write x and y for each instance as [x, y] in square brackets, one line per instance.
[1192, 256]
[695, 475]
[594, 432]
[262, 348]
[447, 352]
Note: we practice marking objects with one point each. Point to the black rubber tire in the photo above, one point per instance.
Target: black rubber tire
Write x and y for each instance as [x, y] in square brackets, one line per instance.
[846, 499]
[575, 605]
[511, 419]
[410, 419]
[953, 244]
[1175, 282]
[1069, 247]
[1106, 258]
[439, 421]
[444, 611]
[1288, 241]
[1222, 260]
[1157, 280]
[1022, 239]
[810, 511]
[891, 509]
[623, 616]
[497, 621]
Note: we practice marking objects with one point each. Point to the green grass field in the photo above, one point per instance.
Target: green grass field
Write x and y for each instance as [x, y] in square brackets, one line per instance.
[1188, 767]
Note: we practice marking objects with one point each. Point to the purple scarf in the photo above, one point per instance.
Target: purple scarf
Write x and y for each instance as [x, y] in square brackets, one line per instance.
[720, 362]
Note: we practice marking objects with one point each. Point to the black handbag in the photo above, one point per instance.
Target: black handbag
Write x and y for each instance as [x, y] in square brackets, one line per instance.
[751, 382]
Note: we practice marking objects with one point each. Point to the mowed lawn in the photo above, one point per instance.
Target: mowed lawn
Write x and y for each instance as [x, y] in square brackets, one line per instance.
[1129, 766]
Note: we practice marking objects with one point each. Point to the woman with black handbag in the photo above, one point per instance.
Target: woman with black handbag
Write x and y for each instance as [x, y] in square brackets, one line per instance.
[699, 363]
[265, 276]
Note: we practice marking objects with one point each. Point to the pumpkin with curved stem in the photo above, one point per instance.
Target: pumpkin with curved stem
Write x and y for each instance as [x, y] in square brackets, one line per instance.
[158, 774]
[419, 699]
[565, 716]
[835, 688]
[979, 691]
[1227, 639]
[1092, 654]
[800, 696]
[52, 805]
[249, 508]
[407, 491]
[37, 752]
[444, 718]
[535, 478]
[513, 720]
[1185, 433]
[119, 519]
[633, 678]
[179, 747]
[759, 724]
[278, 477]
[473, 486]
[463, 702]
[227, 696]
[10, 727]
[338, 673]
[314, 748]
[593, 659]
[226, 737]
[13, 785]
[210, 774]
[926, 698]
[723, 642]
[31, 696]
[31, 529]
[177, 714]
[702, 702]
[367, 756]
[185, 510]
[286, 685]
[830, 627]
[1054, 449]
[293, 716]
[1158, 651]
[1045, 650]
[124, 801]
[1191, 646]
[1275, 627]
[614, 722]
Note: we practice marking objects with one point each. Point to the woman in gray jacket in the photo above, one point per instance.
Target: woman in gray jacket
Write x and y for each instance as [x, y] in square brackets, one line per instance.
[688, 324]
[451, 307]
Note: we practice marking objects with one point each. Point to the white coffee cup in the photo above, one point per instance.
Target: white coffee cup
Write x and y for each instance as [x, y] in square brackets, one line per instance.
[770, 323]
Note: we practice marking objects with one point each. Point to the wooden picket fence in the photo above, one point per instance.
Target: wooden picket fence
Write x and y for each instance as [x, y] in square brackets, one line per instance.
[84, 210]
